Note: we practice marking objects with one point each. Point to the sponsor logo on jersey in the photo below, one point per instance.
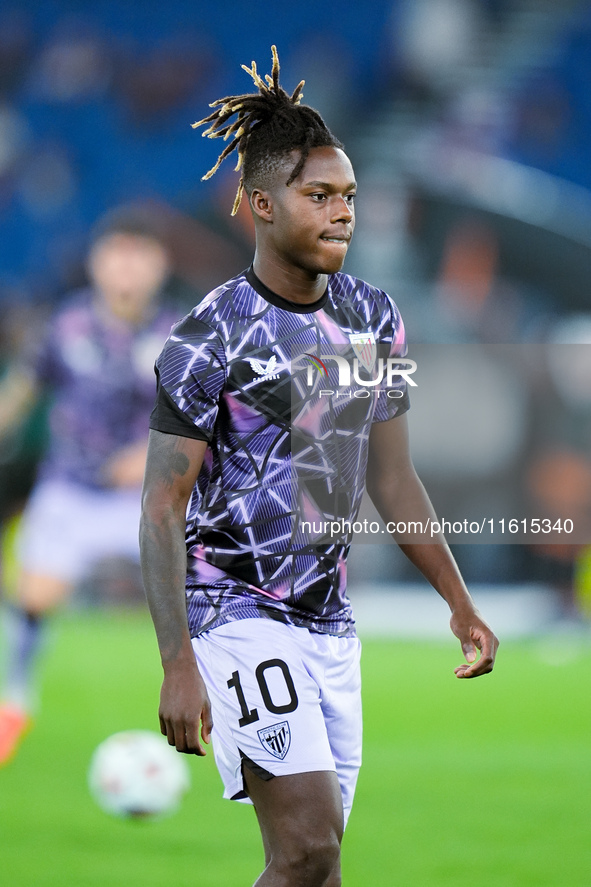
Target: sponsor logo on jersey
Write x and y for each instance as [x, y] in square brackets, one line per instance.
[364, 346]
[264, 370]
[276, 739]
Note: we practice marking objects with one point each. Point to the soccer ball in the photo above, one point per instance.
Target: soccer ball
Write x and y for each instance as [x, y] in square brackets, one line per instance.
[137, 774]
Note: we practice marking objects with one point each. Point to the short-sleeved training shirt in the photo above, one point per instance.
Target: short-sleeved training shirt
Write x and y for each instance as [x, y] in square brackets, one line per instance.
[100, 372]
[252, 374]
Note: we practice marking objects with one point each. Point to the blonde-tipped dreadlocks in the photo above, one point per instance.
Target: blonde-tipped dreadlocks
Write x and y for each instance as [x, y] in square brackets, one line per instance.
[268, 126]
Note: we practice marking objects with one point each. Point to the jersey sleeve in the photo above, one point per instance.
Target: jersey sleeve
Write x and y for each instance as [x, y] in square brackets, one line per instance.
[191, 374]
[394, 399]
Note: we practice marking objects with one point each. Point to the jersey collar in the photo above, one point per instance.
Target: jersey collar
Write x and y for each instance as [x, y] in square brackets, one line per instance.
[279, 301]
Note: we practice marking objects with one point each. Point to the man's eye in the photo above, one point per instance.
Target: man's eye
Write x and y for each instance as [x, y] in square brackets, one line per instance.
[319, 196]
[350, 198]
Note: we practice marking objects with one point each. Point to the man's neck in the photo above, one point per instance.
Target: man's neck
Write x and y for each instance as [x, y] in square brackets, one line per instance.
[288, 282]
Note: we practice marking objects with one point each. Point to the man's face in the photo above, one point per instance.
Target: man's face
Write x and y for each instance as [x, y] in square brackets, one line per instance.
[128, 270]
[313, 219]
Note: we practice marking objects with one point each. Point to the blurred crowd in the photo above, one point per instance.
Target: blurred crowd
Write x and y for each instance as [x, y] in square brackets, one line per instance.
[95, 104]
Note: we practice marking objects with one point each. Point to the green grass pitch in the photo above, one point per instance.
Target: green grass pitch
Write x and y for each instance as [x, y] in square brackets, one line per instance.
[464, 783]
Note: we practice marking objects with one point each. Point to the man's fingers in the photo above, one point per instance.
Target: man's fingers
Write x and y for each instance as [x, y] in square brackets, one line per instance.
[184, 734]
[163, 728]
[483, 666]
[469, 651]
[167, 729]
[192, 742]
[461, 670]
[206, 724]
[487, 643]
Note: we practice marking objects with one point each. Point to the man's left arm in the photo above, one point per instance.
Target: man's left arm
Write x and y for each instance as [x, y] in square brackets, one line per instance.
[399, 496]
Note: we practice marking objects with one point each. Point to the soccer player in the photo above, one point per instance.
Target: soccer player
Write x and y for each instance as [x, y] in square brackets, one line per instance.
[96, 362]
[255, 630]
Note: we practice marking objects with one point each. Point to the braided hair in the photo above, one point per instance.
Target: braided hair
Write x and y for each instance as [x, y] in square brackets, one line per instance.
[268, 126]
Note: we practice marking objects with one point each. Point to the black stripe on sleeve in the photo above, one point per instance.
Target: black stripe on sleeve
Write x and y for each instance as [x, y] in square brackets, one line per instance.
[170, 419]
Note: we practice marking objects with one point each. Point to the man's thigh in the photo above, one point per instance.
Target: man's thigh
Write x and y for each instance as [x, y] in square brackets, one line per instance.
[275, 702]
[301, 822]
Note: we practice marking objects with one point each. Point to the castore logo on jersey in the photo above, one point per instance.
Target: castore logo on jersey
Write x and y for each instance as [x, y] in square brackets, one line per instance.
[264, 370]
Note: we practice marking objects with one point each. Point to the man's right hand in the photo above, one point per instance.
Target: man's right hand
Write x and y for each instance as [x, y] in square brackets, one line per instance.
[185, 709]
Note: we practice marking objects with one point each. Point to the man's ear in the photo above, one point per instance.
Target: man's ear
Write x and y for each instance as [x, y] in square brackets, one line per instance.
[262, 204]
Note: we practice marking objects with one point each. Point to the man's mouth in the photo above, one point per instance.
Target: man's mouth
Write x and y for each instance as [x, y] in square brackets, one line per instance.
[342, 240]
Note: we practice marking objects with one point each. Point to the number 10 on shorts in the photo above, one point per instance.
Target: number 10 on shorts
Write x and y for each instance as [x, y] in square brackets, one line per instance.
[250, 716]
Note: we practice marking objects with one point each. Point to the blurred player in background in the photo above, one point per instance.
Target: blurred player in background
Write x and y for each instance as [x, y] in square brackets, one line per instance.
[95, 360]
[269, 646]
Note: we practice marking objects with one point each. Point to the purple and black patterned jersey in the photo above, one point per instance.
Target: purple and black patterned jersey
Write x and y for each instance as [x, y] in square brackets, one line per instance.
[248, 371]
[100, 371]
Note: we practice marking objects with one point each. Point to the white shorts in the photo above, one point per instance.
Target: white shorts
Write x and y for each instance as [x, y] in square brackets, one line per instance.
[286, 698]
[67, 528]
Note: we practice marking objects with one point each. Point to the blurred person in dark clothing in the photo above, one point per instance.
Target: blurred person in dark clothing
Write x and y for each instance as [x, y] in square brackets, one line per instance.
[95, 359]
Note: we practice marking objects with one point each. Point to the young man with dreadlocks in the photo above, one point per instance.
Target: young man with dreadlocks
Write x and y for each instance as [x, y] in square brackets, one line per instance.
[255, 630]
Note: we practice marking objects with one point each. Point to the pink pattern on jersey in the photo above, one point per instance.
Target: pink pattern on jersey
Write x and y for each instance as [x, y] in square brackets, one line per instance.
[333, 333]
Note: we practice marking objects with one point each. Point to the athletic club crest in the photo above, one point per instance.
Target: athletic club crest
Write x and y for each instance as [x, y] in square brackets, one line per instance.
[364, 346]
[276, 739]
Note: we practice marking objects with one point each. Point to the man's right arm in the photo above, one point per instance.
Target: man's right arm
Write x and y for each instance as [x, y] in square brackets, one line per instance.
[172, 466]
